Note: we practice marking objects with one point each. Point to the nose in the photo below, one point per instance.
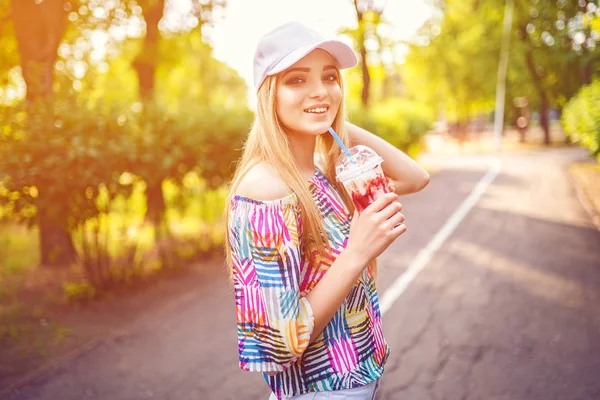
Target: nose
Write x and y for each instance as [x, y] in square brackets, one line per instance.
[319, 90]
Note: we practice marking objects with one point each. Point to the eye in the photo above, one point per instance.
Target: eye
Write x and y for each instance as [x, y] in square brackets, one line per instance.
[330, 77]
[294, 80]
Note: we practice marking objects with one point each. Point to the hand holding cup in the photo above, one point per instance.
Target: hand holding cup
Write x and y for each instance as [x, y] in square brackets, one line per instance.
[373, 230]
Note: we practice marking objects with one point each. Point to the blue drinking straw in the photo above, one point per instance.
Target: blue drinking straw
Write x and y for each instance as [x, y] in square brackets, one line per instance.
[339, 141]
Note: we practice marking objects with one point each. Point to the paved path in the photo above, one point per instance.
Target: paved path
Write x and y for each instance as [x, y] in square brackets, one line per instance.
[508, 308]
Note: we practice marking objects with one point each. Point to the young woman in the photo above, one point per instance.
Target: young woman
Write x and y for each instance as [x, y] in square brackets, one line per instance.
[301, 259]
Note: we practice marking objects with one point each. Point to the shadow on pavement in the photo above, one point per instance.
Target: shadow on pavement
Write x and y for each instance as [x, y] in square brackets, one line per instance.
[508, 309]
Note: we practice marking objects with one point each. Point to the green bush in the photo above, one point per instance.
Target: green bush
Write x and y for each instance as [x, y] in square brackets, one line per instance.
[581, 118]
[401, 122]
[60, 157]
[90, 168]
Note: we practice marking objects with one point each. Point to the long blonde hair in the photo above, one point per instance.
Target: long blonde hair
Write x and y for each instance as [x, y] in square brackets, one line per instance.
[268, 142]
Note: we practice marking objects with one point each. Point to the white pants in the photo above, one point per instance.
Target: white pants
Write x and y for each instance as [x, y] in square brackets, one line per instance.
[366, 392]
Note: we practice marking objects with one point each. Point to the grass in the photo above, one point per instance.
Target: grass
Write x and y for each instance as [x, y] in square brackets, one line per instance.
[195, 217]
[35, 306]
[17, 248]
[21, 324]
[19, 252]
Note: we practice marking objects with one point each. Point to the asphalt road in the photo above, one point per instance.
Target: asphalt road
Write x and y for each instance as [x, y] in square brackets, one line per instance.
[508, 308]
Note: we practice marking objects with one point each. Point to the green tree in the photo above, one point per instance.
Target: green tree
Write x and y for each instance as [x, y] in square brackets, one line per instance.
[450, 60]
[38, 28]
[146, 64]
[92, 113]
[452, 63]
[559, 48]
[368, 19]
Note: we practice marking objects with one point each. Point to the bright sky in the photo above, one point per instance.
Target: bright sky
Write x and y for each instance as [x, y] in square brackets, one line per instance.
[236, 35]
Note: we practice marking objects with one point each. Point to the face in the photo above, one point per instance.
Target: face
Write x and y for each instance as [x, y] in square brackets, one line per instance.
[309, 94]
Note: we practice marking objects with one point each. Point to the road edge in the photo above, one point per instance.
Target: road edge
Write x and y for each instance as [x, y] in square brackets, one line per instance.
[114, 334]
[583, 198]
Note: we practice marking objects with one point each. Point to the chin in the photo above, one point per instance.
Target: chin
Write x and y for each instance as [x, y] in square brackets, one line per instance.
[315, 129]
[312, 132]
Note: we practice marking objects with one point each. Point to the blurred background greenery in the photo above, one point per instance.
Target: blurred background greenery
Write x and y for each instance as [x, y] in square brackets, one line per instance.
[120, 129]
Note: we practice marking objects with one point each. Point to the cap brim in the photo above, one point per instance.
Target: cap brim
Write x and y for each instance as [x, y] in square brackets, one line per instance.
[340, 51]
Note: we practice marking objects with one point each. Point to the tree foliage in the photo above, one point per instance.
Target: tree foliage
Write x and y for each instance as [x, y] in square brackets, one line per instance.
[61, 151]
[452, 62]
[581, 118]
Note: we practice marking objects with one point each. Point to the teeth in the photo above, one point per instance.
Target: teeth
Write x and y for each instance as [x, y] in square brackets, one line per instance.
[316, 110]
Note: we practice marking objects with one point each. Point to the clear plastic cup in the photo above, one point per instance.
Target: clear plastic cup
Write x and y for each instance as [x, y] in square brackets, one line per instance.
[362, 176]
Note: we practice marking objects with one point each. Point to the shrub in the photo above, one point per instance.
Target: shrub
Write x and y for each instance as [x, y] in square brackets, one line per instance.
[401, 122]
[581, 118]
[84, 166]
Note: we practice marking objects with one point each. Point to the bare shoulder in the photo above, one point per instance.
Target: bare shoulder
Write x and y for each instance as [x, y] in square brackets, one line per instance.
[261, 182]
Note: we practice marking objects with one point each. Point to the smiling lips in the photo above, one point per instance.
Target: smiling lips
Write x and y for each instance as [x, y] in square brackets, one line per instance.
[320, 109]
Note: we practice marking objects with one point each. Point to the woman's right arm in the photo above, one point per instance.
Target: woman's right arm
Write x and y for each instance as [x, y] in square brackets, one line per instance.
[370, 234]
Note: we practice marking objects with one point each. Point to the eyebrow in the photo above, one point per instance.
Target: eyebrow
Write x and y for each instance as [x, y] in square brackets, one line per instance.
[299, 69]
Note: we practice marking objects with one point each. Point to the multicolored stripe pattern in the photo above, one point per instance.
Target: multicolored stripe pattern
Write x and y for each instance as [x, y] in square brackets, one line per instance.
[271, 278]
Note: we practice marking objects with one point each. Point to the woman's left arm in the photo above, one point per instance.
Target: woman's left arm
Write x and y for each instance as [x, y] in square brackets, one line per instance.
[407, 175]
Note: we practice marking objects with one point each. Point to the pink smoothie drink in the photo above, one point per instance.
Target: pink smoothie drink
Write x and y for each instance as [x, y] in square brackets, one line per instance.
[361, 174]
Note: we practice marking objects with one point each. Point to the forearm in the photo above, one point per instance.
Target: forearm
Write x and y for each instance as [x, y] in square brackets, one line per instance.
[408, 176]
[328, 295]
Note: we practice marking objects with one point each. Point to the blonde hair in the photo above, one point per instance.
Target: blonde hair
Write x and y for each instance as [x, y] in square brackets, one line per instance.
[267, 142]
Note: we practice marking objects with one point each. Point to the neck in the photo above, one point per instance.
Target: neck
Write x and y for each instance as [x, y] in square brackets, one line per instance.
[303, 150]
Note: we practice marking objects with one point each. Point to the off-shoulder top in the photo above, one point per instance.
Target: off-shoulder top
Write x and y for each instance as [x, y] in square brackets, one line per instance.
[271, 278]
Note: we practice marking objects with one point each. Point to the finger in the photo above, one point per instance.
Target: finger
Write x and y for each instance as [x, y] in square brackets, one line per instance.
[396, 219]
[391, 209]
[390, 184]
[381, 202]
[398, 230]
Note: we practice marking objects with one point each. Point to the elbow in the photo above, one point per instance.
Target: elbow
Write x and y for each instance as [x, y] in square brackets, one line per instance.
[413, 185]
[274, 348]
[423, 181]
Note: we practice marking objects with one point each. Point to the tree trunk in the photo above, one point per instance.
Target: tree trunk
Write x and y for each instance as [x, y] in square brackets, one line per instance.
[145, 66]
[587, 73]
[544, 102]
[145, 63]
[544, 122]
[156, 202]
[365, 75]
[39, 28]
[56, 244]
[366, 78]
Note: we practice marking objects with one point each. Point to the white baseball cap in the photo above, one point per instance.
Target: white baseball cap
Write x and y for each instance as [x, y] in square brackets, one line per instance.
[287, 44]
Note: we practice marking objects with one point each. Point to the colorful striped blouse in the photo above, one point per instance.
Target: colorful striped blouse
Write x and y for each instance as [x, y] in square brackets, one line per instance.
[271, 278]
